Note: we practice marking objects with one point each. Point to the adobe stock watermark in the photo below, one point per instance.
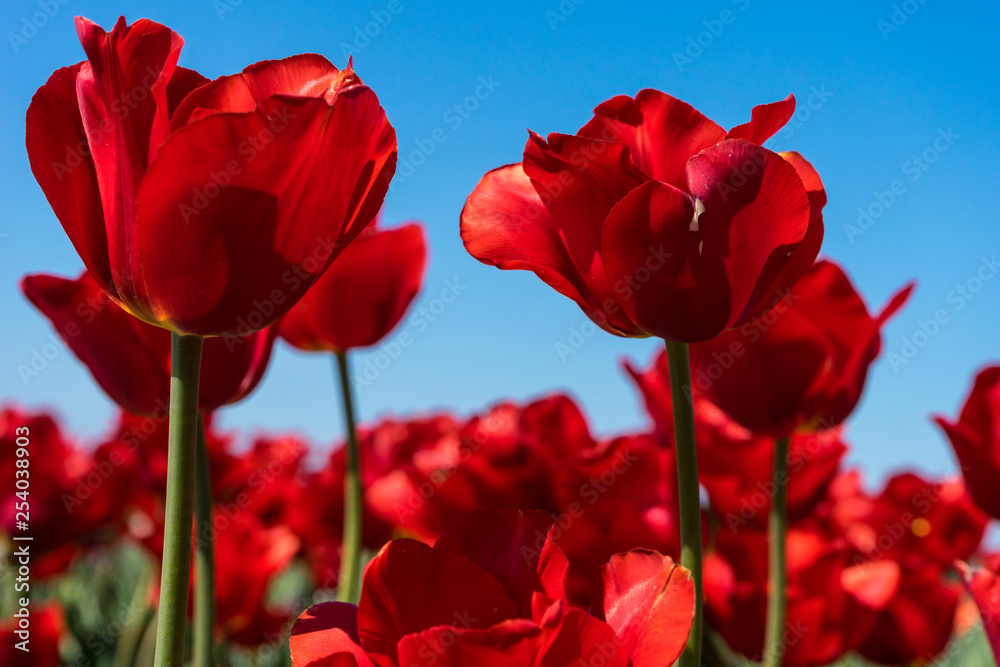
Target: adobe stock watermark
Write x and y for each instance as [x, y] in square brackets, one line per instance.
[437, 644]
[453, 118]
[705, 377]
[806, 106]
[625, 289]
[590, 491]
[296, 278]
[900, 14]
[420, 321]
[490, 424]
[248, 149]
[365, 32]
[31, 24]
[797, 459]
[223, 7]
[913, 169]
[562, 12]
[103, 470]
[43, 356]
[957, 299]
[121, 106]
[911, 521]
[698, 43]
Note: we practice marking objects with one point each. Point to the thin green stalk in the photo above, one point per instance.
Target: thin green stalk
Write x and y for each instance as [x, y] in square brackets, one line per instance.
[204, 557]
[175, 577]
[778, 575]
[688, 492]
[349, 588]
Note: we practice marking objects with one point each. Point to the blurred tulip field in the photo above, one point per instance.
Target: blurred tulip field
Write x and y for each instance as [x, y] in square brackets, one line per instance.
[314, 357]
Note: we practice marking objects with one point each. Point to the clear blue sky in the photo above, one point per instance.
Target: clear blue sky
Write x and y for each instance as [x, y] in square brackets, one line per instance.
[886, 94]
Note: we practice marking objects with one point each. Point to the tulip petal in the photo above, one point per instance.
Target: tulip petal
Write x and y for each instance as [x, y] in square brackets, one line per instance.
[60, 161]
[545, 216]
[512, 642]
[581, 639]
[513, 547]
[804, 255]
[326, 635]
[128, 358]
[649, 602]
[373, 282]
[661, 132]
[757, 212]
[182, 83]
[410, 587]
[231, 367]
[979, 469]
[218, 234]
[649, 250]
[303, 75]
[765, 121]
[122, 93]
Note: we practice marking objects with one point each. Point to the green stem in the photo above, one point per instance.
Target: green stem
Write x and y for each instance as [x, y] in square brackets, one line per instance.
[349, 588]
[204, 557]
[778, 528]
[688, 492]
[175, 577]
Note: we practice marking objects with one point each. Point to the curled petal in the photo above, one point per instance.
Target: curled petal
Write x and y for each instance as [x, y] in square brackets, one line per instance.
[649, 602]
[765, 121]
[545, 216]
[303, 75]
[661, 132]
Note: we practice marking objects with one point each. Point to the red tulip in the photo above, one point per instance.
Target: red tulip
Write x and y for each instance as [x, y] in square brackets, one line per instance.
[736, 469]
[46, 627]
[735, 465]
[432, 473]
[60, 507]
[242, 612]
[488, 594]
[131, 359]
[917, 624]
[424, 475]
[801, 364]
[975, 438]
[832, 605]
[206, 208]
[984, 586]
[392, 455]
[132, 475]
[265, 480]
[652, 218]
[363, 295]
[914, 522]
[922, 527]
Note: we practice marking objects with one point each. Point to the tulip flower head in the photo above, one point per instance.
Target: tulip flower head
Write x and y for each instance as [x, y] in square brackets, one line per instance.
[206, 208]
[652, 218]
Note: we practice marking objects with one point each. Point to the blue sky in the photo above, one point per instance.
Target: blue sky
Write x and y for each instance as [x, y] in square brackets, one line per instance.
[897, 97]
